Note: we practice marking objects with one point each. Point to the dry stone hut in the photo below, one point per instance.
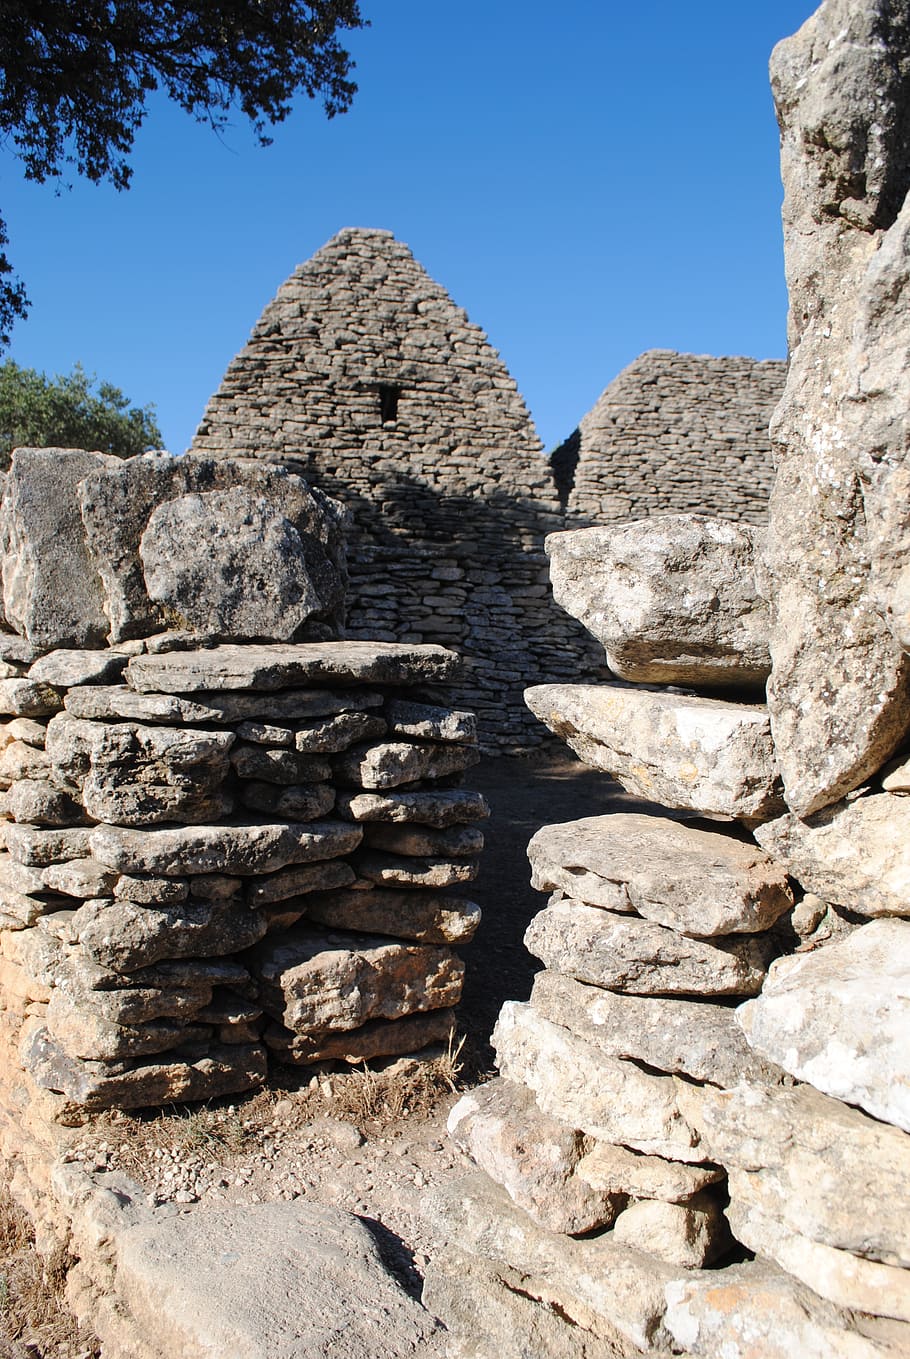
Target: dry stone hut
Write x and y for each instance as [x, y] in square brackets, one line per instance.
[674, 432]
[364, 375]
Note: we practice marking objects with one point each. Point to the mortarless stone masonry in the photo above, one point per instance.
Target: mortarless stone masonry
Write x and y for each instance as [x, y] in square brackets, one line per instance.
[675, 432]
[363, 375]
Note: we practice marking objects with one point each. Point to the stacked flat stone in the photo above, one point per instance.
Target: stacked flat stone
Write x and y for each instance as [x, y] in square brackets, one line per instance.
[233, 850]
[676, 1089]
[675, 433]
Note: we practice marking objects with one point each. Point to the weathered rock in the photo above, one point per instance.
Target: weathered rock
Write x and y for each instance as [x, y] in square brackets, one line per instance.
[317, 981]
[427, 917]
[896, 776]
[39, 803]
[430, 723]
[278, 766]
[301, 802]
[690, 1234]
[832, 1174]
[16, 877]
[244, 848]
[683, 1037]
[695, 881]
[617, 1170]
[609, 1099]
[838, 1018]
[843, 1278]
[297, 881]
[392, 763]
[624, 953]
[754, 1309]
[81, 1033]
[581, 1280]
[284, 667]
[456, 842]
[26, 729]
[337, 733]
[696, 753]
[29, 698]
[388, 870]
[671, 597]
[20, 909]
[839, 693]
[378, 1038]
[82, 878]
[149, 890]
[326, 1287]
[533, 1156]
[204, 544]
[52, 592]
[19, 760]
[447, 807]
[124, 936]
[855, 853]
[137, 775]
[37, 848]
[99, 1085]
[113, 702]
[66, 668]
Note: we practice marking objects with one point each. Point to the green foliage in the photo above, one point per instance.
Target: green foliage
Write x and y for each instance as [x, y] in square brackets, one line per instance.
[74, 79]
[64, 412]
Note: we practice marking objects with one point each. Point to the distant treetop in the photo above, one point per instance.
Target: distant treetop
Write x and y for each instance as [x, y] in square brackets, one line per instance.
[74, 79]
[63, 412]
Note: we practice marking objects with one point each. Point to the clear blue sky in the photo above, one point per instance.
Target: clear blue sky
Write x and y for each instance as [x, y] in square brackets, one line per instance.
[587, 179]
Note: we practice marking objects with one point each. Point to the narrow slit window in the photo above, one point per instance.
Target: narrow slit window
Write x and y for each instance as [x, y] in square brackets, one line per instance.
[388, 402]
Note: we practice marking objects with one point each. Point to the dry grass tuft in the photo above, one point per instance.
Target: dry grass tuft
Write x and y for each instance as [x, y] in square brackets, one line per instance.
[34, 1321]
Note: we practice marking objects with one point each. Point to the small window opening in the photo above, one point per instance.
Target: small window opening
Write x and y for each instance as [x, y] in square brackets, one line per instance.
[388, 402]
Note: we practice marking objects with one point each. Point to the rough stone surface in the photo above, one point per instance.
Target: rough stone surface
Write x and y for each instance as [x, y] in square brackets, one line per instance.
[609, 1099]
[388, 870]
[378, 1038]
[686, 1037]
[430, 723]
[695, 753]
[317, 981]
[112, 702]
[426, 807]
[427, 917]
[297, 881]
[855, 854]
[839, 1018]
[624, 953]
[832, 1174]
[459, 841]
[124, 936]
[284, 667]
[66, 668]
[617, 1170]
[534, 1157]
[255, 847]
[695, 881]
[268, 1281]
[52, 593]
[754, 1309]
[392, 763]
[835, 551]
[29, 698]
[672, 598]
[689, 1234]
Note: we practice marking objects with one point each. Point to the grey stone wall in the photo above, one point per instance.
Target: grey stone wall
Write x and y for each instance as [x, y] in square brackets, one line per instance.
[363, 375]
[677, 432]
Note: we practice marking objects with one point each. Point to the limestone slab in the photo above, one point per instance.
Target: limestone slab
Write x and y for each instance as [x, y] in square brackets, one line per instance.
[268, 765]
[429, 722]
[52, 593]
[125, 937]
[617, 1170]
[376, 1038]
[533, 1156]
[427, 807]
[392, 763]
[839, 1018]
[29, 698]
[696, 881]
[293, 802]
[699, 754]
[612, 1100]
[301, 879]
[685, 1037]
[244, 848]
[427, 917]
[854, 853]
[37, 847]
[113, 702]
[455, 842]
[315, 981]
[392, 870]
[65, 668]
[690, 1234]
[671, 597]
[286, 667]
[624, 953]
[836, 1176]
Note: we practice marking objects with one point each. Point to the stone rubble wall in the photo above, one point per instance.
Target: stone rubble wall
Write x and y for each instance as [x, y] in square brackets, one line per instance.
[213, 854]
[699, 1138]
[674, 433]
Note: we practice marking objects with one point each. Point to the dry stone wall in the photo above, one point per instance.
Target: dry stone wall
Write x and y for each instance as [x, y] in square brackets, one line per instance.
[675, 432]
[213, 854]
[363, 375]
[699, 1139]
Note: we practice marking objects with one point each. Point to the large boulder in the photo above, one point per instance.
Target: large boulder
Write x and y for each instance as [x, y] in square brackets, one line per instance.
[838, 544]
[673, 598]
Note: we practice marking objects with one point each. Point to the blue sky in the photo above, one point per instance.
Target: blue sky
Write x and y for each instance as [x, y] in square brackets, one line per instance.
[587, 180]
